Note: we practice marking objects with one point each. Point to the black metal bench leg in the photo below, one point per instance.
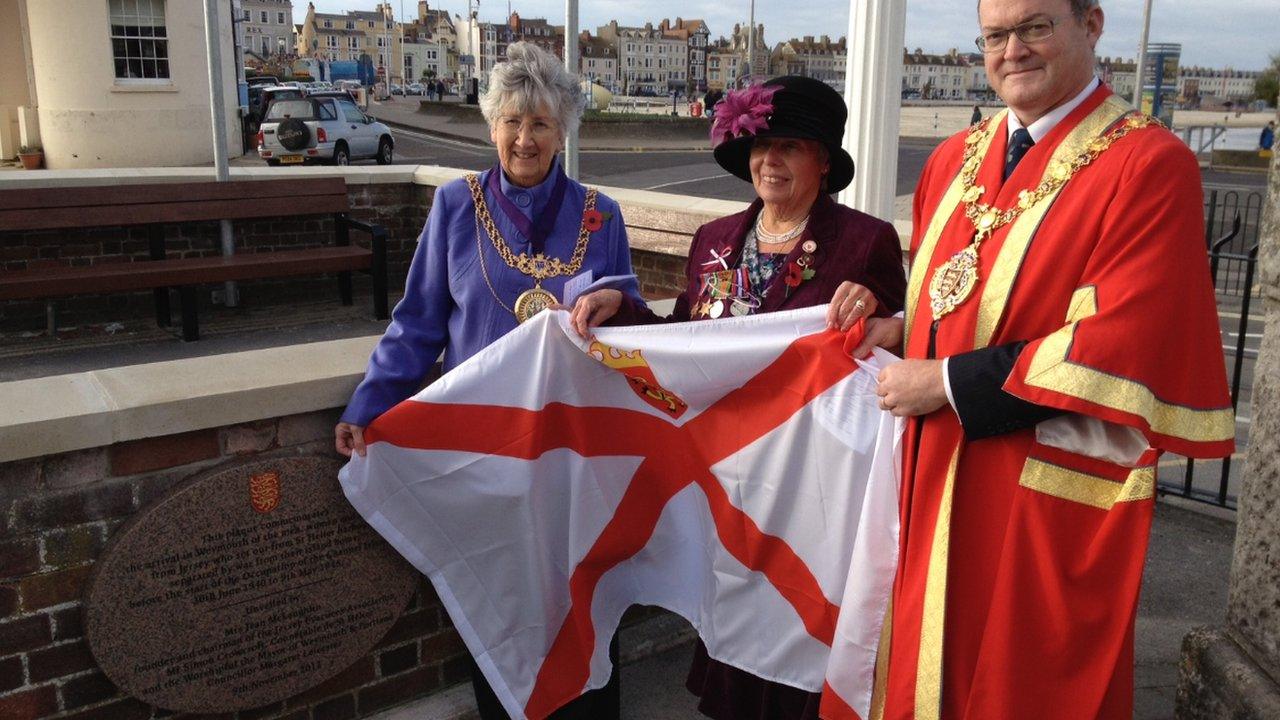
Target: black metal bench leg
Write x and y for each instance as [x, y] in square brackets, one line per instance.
[344, 287]
[162, 307]
[155, 236]
[379, 273]
[190, 324]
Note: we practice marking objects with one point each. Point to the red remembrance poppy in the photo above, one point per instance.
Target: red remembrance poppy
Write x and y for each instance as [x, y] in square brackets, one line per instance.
[795, 274]
[592, 220]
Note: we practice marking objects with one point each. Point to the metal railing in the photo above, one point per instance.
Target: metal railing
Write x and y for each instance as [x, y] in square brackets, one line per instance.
[1232, 222]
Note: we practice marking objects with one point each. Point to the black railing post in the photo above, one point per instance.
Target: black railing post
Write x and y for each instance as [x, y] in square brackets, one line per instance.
[1208, 221]
[1241, 337]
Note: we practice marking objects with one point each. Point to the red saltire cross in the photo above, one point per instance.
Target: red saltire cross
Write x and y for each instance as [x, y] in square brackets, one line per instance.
[674, 457]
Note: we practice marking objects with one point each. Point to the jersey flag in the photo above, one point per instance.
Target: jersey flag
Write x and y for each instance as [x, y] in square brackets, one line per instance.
[738, 473]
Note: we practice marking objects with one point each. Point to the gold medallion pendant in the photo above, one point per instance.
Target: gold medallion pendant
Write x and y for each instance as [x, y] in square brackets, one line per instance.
[954, 282]
[531, 302]
[537, 265]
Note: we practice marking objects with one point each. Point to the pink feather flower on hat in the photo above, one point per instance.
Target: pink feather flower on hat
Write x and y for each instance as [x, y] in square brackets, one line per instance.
[745, 112]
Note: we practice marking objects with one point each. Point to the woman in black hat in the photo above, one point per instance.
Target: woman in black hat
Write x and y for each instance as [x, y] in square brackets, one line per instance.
[793, 247]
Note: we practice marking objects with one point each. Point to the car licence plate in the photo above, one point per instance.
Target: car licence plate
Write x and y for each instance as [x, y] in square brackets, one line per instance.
[290, 159]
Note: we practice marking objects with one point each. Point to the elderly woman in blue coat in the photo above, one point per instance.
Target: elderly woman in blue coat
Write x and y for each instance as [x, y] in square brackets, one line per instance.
[497, 248]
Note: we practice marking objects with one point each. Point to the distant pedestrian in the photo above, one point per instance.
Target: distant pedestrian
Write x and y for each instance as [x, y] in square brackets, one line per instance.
[976, 117]
[1268, 137]
[431, 90]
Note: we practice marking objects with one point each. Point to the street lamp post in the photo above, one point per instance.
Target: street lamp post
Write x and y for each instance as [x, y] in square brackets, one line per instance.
[1140, 68]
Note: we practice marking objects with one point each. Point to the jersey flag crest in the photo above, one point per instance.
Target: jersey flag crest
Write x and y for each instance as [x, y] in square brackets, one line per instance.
[738, 473]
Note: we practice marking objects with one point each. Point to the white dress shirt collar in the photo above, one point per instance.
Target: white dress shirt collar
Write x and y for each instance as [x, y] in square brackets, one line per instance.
[1041, 127]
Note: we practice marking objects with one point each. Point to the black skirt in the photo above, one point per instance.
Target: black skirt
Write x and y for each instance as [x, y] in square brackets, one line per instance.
[727, 693]
[602, 704]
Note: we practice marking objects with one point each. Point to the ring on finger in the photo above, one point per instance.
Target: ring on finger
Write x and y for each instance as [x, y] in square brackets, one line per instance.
[860, 305]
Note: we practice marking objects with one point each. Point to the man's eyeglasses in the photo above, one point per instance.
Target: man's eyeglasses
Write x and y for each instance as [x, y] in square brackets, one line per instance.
[1031, 31]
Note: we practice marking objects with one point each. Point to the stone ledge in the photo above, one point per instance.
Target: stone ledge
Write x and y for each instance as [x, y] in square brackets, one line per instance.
[642, 209]
[94, 409]
[1217, 680]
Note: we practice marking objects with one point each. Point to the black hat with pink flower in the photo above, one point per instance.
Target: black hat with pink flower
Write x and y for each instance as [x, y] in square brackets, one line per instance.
[785, 107]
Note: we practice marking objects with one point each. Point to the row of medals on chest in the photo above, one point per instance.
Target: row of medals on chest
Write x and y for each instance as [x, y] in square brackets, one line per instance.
[954, 281]
[729, 290]
[538, 265]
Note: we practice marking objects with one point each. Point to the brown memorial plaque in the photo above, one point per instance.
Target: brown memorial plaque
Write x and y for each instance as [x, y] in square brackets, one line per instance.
[243, 586]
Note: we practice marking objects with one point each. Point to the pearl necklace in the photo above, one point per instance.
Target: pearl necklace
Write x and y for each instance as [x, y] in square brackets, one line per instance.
[764, 237]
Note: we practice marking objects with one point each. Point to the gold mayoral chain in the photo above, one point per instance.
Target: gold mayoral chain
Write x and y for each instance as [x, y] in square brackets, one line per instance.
[955, 280]
[537, 266]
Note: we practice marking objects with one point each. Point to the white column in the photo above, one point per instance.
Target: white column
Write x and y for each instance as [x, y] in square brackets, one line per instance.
[571, 64]
[873, 92]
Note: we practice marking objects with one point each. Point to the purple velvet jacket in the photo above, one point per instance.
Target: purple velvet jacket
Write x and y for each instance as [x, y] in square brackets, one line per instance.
[851, 246]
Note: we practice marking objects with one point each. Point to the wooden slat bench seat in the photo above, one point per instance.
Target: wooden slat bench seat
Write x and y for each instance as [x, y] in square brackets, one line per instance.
[158, 206]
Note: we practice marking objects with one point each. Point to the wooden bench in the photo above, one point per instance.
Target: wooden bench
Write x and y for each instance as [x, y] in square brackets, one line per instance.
[161, 205]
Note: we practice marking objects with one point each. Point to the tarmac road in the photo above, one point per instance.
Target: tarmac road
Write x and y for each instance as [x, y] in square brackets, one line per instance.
[694, 173]
[681, 172]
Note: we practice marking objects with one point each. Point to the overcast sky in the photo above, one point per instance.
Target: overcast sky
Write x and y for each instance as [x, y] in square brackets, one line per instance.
[1214, 33]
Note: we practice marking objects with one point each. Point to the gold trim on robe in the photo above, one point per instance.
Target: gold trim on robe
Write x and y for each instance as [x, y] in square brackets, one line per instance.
[932, 623]
[1051, 370]
[1087, 489]
[941, 216]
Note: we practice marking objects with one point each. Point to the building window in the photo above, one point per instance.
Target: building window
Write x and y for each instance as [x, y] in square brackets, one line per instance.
[331, 41]
[266, 45]
[353, 42]
[248, 15]
[263, 17]
[328, 23]
[279, 18]
[139, 40]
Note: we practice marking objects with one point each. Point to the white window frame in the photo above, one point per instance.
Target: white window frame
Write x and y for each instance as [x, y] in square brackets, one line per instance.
[155, 41]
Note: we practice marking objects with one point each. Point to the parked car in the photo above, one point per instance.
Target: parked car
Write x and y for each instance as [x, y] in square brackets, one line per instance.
[396, 89]
[322, 129]
[414, 89]
[261, 96]
[263, 80]
[351, 95]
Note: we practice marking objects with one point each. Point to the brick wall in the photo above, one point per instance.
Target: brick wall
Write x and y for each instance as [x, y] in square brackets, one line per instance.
[661, 275]
[56, 515]
[399, 207]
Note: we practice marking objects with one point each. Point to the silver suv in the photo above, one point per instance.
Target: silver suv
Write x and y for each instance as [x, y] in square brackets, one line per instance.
[321, 130]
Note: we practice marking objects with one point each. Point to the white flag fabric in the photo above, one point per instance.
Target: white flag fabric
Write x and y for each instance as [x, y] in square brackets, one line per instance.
[738, 473]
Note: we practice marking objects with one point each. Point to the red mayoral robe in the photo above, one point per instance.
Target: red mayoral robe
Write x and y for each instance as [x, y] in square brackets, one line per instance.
[1020, 561]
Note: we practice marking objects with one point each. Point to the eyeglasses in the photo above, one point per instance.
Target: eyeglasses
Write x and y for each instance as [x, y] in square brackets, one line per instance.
[1031, 31]
[537, 127]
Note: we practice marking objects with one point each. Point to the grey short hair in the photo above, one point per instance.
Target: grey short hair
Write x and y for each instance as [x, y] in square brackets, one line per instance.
[529, 79]
[1078, 7]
